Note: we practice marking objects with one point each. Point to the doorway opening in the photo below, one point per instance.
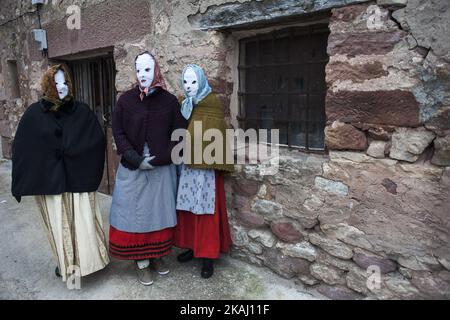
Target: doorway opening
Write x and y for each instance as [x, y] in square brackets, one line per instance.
[94, 84]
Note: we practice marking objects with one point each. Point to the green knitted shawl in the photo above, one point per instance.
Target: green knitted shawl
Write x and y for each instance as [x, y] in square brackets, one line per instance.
[209, 111]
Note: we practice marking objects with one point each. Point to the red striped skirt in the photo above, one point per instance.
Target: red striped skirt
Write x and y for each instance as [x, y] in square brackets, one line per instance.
[207, 235]
[140, 246]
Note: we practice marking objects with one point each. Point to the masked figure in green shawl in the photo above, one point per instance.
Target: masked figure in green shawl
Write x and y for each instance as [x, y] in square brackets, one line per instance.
[202, 218]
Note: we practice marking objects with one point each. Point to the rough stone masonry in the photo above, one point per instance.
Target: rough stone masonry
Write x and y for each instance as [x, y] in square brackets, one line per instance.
[379, 196]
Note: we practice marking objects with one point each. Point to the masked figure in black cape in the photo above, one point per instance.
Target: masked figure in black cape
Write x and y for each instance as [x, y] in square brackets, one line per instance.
[58, 156]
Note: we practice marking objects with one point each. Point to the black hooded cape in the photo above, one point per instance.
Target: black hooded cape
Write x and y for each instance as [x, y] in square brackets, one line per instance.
[57, 152]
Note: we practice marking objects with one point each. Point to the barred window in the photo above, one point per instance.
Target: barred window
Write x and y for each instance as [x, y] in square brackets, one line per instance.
[93, 81]
[282, 84]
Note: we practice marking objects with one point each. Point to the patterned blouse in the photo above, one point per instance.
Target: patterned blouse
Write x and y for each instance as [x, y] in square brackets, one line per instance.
[196, 190]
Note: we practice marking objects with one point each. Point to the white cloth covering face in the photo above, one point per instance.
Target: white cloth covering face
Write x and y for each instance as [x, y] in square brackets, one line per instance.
[61, 85]
[145, 70]
[190, 82]
[197, 93]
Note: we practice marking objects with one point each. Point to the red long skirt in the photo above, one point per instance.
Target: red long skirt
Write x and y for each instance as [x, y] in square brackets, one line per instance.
[207, 235]
[140, 246]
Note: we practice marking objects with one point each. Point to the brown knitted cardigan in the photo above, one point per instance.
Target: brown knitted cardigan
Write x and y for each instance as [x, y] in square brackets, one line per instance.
[210, 113]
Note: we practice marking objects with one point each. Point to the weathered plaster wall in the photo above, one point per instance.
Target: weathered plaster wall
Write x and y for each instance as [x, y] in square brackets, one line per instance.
[102, 25]
[380, 197]
[16, 45]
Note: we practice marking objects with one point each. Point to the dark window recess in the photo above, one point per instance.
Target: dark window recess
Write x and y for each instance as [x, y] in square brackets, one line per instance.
[13, 75]
[282, 85]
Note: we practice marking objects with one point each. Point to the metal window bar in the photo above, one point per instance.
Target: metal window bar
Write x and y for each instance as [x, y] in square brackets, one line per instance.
[308, 99]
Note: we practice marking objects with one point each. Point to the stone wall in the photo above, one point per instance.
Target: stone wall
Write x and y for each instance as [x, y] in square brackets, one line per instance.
[379, 197]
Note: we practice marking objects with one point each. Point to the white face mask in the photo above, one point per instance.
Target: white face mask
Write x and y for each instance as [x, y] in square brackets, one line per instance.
[61, 85]
[145, 70]
[190, 82]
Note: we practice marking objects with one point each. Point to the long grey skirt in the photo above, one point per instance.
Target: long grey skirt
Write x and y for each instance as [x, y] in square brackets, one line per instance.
[144, 200]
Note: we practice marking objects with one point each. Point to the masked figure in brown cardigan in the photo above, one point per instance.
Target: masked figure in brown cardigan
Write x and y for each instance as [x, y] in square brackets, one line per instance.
[201, 210]
[143, 210]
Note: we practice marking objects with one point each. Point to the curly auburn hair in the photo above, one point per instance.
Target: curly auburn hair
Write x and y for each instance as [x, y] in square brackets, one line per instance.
[48, 84]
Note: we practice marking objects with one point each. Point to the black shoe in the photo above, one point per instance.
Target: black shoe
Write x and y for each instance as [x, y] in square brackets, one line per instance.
[207, 268]
[185, 256]
[57, 273]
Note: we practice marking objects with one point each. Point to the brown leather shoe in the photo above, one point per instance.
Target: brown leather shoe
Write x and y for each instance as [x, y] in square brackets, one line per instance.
[145, 276]
[160, 266]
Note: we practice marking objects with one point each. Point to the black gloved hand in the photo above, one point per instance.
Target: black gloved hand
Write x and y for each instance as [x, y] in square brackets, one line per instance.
[133, 158]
